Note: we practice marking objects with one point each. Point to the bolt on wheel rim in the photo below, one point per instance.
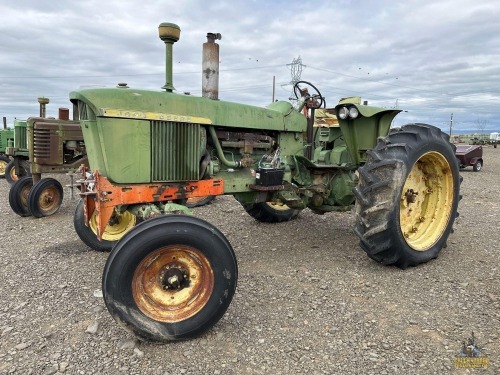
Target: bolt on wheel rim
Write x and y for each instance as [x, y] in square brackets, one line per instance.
[173, 283]
[426, 201]
[24, 194]
[50, 200]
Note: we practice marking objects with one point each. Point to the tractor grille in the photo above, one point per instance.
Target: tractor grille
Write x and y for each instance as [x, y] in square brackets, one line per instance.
[41, 143]
[175, 151]
[20, 140]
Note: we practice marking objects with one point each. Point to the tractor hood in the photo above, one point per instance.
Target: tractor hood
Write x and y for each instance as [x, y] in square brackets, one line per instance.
[168, 106]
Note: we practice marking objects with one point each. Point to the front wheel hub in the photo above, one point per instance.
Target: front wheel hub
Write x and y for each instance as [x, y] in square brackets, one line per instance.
[174, 277]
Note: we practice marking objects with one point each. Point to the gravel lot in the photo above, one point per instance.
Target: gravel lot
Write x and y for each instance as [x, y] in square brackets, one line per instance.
[309, 301]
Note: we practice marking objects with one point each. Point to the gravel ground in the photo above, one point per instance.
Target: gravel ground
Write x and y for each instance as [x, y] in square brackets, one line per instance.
[309, 301]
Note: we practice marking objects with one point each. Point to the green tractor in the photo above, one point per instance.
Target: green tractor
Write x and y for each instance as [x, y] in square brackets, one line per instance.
[43, 146]
[55, 146]
[6, 138]
[172, 277]
[17, 150]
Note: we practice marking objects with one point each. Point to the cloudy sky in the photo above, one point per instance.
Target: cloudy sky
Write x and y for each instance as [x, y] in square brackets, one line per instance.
[429, 58]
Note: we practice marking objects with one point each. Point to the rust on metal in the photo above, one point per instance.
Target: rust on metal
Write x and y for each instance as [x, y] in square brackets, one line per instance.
[173, 283]
[210, 67]
[109, 195]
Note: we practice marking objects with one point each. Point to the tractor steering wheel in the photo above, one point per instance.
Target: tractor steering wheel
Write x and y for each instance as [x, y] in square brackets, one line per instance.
[315, 100]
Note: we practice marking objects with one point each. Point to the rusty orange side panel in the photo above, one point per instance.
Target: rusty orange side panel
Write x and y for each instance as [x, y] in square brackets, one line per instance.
[107, 196]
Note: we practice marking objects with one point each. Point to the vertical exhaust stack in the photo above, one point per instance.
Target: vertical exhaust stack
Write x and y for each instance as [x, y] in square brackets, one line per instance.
[169, 33]
[210, 67]
[43, 104]
[63, 114]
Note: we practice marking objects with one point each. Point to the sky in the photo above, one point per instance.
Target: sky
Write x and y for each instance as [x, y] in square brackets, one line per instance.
[438, 61]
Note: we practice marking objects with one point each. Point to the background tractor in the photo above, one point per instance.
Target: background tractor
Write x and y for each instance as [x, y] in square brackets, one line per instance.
[6, 138]
[17, 151]
[52, 146]
[172, 277]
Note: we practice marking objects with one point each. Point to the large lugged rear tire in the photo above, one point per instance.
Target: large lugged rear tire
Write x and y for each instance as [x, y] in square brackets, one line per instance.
[269, 212]
[199, 201]
[407, 196]
[170, 278]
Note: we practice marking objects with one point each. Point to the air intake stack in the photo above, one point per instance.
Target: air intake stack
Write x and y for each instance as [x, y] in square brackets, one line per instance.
[169, 33]
[43, 104]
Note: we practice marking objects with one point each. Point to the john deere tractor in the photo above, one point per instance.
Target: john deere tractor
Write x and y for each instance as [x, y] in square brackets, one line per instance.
[172, 277]
[6, 137]
[43, 145]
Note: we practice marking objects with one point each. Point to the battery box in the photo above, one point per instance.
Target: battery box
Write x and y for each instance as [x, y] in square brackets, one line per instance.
[269, 176]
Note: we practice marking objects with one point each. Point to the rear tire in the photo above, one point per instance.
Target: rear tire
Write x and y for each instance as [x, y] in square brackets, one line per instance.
[170, 278]
[269, 212]
[199, 201]
[45, 198]
[407, 196]
[18, 196]
[10, 171]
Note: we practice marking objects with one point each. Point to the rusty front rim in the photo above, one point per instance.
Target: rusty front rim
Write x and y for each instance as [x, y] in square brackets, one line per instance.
[50, 199]
[124, 222]
[3, 166]
[173, 283]
[426, 201]
[24, 194]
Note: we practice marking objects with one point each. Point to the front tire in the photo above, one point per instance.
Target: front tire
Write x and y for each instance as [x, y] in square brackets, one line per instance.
[270, 212]
[18, 196]
[45, 198]
[170, 278]
[407, 196]
[111, 235]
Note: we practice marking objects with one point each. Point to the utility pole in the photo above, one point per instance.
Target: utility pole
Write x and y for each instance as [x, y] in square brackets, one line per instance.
[451, 123]
[274, 87]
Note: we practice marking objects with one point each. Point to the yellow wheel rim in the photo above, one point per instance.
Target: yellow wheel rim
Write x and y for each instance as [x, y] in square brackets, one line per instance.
[3, 165]
[426, 201]
[173, 283]
[124, 223]
[278, 206]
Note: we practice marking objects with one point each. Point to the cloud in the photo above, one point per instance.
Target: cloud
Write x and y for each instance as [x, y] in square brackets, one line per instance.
[429, 58]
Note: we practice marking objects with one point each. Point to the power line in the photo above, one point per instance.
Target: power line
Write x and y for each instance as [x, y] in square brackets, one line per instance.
[133, 75]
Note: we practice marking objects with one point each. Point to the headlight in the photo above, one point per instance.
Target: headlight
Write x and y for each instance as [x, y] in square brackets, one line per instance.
[343, 113]
[353, 112]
